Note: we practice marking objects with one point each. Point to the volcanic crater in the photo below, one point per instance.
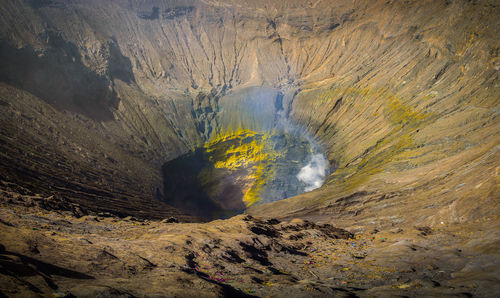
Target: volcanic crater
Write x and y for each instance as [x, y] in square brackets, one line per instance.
[233, 148]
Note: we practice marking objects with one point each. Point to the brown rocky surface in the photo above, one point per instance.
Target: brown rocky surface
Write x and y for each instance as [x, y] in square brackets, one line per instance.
[54, 253]
[96, 96]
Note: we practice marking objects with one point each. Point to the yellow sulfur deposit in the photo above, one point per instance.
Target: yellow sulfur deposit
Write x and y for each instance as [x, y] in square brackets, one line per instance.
[244, 150]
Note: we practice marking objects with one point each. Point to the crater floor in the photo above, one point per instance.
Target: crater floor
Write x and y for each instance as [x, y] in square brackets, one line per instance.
[243, 168]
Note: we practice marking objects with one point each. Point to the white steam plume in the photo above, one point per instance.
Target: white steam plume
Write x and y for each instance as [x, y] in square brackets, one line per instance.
[313, 174]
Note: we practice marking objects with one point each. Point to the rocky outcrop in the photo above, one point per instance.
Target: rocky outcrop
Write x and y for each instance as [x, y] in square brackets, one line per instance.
[51, 252]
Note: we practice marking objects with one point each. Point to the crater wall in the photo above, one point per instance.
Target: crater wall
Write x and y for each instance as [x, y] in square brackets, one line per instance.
[403, 96]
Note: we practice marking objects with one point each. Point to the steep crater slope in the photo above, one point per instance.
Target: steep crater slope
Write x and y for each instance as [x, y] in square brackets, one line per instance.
[96, 97]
